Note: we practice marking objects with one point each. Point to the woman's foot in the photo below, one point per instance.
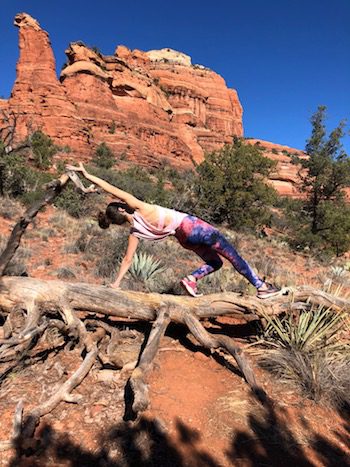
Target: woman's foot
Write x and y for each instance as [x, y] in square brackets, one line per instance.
[190, 286]
[268, 290]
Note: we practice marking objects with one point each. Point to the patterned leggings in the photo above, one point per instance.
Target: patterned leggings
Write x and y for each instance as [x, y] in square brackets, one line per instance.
[207, 242]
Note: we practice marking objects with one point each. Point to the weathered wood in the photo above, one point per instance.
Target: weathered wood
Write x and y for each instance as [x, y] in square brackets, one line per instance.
[63, 394]
[125, 304]
[137, 379]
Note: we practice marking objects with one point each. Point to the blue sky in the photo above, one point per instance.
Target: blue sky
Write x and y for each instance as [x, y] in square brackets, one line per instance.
[284, 57]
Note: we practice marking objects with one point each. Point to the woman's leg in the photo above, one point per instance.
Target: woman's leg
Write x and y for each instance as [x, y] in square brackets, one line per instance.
[205, 240]
[225, 249]
[213, 262]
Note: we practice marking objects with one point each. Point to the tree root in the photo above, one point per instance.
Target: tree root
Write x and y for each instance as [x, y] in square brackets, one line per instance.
[64, 393]
[137, 379]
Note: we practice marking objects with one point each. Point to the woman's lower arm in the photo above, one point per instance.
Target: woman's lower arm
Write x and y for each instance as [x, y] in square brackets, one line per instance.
[124, 267]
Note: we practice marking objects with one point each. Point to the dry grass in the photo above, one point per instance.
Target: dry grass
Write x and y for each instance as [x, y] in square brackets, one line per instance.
[10, 208]
[311, 351]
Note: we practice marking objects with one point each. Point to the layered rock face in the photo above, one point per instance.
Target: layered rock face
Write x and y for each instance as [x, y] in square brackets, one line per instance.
[285, 177]
[147, 106]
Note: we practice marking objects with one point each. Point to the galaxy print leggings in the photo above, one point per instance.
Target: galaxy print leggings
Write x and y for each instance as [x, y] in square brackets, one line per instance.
[207, 242]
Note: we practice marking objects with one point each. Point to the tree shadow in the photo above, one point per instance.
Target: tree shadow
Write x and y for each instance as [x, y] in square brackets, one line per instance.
[144, 443]
[271, 442]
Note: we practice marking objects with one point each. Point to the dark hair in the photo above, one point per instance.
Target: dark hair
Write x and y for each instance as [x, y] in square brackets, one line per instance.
[113, 216]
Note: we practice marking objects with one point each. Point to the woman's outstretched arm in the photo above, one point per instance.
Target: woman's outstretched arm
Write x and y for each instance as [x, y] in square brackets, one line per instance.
[127, 260]
[128, 198]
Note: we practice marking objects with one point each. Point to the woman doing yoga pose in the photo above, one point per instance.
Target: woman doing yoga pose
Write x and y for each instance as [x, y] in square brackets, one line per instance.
[152, 222]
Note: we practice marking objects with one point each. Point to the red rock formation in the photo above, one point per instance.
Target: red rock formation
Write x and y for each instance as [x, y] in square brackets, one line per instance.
[158, 104]
[38, 98]
[285, 177]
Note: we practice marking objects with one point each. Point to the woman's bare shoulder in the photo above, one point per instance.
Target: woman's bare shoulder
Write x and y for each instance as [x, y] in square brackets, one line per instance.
[148, 211]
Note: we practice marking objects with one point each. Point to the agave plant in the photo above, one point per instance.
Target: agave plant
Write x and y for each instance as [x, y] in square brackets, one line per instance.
[144, 266]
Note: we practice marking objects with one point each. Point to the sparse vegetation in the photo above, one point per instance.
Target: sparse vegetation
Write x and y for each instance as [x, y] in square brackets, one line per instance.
[112, 128]
[104, 157]
[43, 149]
[308, 349]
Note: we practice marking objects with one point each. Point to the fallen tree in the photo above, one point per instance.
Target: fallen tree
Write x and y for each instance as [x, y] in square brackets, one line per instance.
[46, 305]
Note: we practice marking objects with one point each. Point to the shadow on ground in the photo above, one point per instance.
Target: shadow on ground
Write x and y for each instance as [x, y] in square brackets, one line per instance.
[269, 441]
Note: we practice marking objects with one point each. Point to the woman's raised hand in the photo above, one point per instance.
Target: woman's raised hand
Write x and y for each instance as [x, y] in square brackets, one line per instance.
[80, 168]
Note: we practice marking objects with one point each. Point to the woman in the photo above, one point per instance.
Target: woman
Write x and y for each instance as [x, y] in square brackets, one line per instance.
[152, 222]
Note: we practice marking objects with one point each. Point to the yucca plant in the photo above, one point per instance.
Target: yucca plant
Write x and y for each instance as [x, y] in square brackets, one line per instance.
[338, 271]
[311, 331]
[144, 266]
[310, 351]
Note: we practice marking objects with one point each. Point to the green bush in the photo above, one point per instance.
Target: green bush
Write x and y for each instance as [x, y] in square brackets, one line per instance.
[232, 186]
[71, 201]
[43, 149]
[104, 157]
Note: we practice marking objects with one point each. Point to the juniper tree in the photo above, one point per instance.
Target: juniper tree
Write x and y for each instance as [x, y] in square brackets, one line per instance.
[324, 174]
[232, 186]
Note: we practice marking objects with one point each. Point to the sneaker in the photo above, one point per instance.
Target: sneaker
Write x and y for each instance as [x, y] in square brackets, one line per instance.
[271, 291]
[190, 287]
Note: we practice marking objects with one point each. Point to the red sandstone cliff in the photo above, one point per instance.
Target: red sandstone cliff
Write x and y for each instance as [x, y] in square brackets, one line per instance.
[148, 106]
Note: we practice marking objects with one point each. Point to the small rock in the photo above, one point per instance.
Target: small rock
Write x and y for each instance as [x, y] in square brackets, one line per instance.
[107, 376]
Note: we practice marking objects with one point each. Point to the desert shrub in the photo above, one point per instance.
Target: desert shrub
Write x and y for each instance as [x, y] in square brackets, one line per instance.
[78, 204]
[112, 128]
[43, 149]
[104, 157]
[167, 283]
[65, 273]
[232, 188]
[145, 266]
[12, 174]
[18, 179]
[87, 232]
[107, 250]
[71, 201]
[223, 280]
[309, 351]
[266, 266]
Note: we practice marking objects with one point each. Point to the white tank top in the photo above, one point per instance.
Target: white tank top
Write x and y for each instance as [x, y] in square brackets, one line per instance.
[143, 229]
